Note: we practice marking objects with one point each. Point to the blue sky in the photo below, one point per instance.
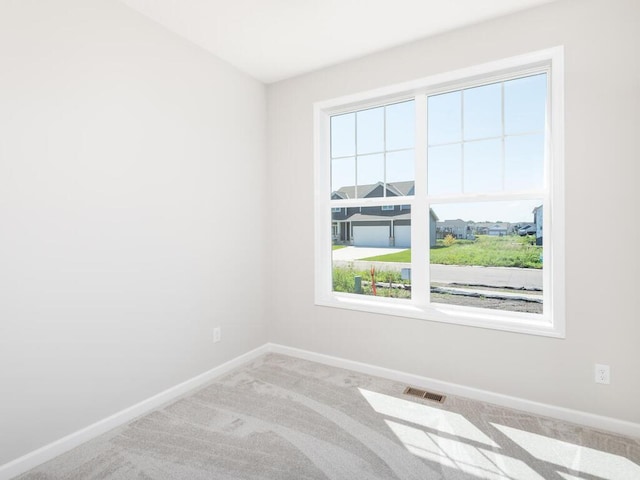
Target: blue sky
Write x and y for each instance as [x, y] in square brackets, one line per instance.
[482, 139]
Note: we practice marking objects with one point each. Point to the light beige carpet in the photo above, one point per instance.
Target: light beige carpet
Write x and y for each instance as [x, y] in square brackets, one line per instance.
[285, 418]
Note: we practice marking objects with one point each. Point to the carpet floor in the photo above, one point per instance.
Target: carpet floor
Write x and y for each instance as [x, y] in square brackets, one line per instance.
[285, 418]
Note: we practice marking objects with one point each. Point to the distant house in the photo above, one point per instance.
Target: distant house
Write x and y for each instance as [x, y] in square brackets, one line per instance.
[498, 229]
[537, 218]
[492, 228]
[457, 228]
[381, 226]
[481, 228]
[516, 227]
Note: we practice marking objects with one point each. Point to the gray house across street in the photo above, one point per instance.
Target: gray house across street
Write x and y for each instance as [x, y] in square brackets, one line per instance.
[456, 228]
[380, 226]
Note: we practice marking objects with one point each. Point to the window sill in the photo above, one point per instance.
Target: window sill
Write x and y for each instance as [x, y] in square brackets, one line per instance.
[515, 322]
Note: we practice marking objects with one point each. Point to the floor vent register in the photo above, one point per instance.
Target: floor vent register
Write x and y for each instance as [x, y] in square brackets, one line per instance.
[416, 392]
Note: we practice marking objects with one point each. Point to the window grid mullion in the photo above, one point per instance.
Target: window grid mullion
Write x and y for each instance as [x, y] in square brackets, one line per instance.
[502, 140]
[355, 141]
[462, 141]
[420, 227]
[384, 148]
[382, 151]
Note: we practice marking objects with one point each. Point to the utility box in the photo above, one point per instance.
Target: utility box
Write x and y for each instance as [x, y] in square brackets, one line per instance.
[357, 284]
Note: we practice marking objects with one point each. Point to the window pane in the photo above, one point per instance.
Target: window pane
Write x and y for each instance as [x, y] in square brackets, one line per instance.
[370, 130]
[371, 176]
[524, 160]
[483, 111]
[371, 247]
[444, 118]
[343, 175]
[445, 169]
[401, 126]
[503, 237]
[343, 135]
[525, 104]
[483, 166]
[400, 170]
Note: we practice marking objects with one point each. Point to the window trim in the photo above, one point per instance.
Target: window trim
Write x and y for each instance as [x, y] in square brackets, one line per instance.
[553, 320]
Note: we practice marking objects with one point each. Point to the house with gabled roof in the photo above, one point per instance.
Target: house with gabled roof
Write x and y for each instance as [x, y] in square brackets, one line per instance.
[495, 229]
[457, 228]
[498, 229]
[379, 226]
[395, 189]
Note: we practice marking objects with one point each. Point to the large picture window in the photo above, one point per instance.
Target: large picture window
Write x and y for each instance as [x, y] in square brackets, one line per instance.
[442, 199]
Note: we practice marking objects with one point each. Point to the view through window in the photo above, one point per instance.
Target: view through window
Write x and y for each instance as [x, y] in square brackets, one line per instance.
[464, 172]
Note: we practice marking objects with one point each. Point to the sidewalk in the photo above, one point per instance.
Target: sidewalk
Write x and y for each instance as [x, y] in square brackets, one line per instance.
[495, 276]
[356, 253]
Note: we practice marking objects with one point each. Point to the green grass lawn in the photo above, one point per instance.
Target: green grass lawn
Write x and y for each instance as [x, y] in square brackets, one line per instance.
[403, 256]
[337, 247]
[486, 251]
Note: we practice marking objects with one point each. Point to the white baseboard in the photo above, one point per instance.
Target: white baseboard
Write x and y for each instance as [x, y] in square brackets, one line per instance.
[52, 450]
[600, 422]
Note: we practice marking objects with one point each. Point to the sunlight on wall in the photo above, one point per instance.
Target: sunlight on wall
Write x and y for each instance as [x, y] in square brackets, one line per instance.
[573, 457]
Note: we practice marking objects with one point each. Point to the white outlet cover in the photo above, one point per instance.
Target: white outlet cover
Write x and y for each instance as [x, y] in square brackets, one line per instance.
[602, 374]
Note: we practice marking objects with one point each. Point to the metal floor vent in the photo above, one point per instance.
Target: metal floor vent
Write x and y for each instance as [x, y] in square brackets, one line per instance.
[416, 392]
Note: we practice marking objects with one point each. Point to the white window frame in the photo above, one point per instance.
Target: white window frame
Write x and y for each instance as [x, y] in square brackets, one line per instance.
[552, 321]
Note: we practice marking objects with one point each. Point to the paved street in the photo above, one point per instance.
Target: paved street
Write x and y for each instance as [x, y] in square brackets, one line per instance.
[494, 276]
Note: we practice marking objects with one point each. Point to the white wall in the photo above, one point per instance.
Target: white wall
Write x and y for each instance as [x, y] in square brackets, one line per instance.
[602, 123]
[132, 197]
[132, 180]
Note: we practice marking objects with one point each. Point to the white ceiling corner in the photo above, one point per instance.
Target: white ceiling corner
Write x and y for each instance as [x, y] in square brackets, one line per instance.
[272, 40]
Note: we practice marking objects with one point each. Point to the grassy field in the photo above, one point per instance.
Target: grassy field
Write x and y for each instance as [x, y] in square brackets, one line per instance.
[337, 247]
[485, 250]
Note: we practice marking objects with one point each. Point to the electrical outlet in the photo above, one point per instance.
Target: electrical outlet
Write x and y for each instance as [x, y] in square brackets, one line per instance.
[603, 374]
[216, 335]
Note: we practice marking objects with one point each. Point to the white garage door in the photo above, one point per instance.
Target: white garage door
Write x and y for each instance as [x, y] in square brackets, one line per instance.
[403, 236]
[373, 236]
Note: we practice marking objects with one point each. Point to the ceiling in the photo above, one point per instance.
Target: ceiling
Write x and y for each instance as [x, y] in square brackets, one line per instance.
[273, 40]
